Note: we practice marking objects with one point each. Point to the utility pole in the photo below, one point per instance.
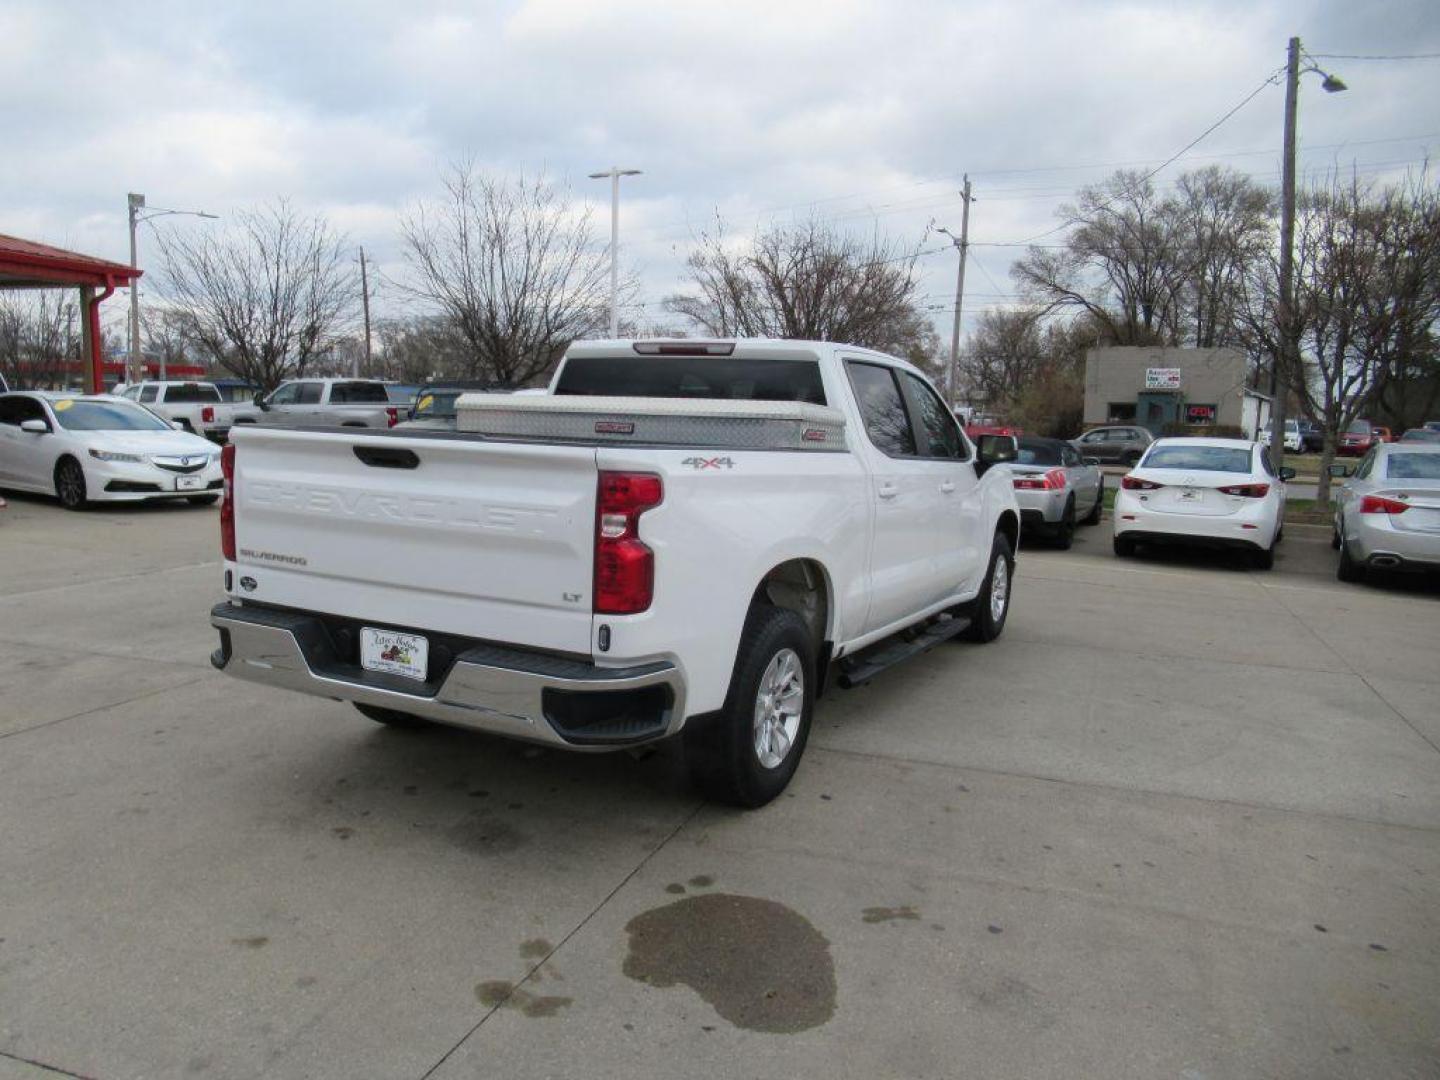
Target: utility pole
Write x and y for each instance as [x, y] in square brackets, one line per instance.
[614, 173]
[962, 244]
[365, 303]
[1285, 355]
[1287, 358]
[137, 203]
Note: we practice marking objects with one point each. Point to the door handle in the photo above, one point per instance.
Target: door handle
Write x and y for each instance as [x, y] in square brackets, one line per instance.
[888, 491]
[947, 487]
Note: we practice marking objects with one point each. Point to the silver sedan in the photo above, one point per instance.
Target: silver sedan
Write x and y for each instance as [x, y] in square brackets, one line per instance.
[1388, 514]
[1055, 487]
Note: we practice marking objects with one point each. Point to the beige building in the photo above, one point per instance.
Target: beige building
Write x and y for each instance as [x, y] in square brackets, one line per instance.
[1159, 387]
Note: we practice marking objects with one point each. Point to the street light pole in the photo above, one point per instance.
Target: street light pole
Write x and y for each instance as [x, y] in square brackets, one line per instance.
[1286, 364]
[614, 173]
[962, 244]
[136, 204]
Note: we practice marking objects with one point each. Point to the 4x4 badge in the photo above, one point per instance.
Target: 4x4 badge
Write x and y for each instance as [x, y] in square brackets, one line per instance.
[708, 463]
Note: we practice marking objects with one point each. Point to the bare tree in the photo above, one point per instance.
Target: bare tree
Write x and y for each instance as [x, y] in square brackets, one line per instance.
[1030, 370]
[512, 266]
[421, 348]
[806, 282]
[263, 298]
[1224, 225]
[1122, 263]
[39, 337]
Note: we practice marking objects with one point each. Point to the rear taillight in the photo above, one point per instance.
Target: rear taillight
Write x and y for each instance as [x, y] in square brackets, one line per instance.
[1249, 491]
[624, 567]
[1134, 483]
[392, 417]
[227, 502]
[1053, 480]
[207, 414]
[1378, 504]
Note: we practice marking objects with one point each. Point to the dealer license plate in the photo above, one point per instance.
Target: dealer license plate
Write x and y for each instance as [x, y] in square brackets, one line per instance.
[1189, 495]
[189, 483]
[394, 653]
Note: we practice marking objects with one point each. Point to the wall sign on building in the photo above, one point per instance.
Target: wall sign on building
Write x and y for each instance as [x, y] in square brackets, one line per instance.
[1162, 378]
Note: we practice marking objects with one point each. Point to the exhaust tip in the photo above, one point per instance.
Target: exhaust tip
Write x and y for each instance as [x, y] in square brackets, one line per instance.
[1384, 562]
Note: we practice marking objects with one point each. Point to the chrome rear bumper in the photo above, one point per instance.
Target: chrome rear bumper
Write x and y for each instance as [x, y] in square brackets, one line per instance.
[504, 691]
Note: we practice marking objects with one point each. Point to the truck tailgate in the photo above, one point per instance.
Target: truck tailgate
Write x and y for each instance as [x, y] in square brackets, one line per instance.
[484, 539]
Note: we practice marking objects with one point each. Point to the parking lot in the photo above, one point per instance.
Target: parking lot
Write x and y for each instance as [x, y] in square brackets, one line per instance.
[1182, 820]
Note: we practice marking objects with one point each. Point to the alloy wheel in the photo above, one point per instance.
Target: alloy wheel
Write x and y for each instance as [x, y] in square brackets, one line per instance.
[779, 701]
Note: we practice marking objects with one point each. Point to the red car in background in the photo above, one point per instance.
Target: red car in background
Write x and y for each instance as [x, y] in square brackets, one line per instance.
[986, 425]
[1359, 437]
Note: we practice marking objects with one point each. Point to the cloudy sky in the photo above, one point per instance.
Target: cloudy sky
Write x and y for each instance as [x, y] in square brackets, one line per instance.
[864, 112]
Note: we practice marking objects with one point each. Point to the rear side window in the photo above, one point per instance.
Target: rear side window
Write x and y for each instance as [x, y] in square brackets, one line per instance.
[937, 423]
[308, 393]
[1413, 467]
[881, 407]
[147, 393]
[713, 377]
[369, 393]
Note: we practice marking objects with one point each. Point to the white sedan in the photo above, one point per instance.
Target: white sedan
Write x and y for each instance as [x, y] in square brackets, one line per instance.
[88, 449]
[1212, 492]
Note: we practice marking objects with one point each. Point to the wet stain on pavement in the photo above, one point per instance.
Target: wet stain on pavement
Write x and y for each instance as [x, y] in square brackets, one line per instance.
[536, 948]
[486, 835]
[759, 964]
[889, 914]
[675, 888]
[250, 942]
[498, 993]
[702, 881]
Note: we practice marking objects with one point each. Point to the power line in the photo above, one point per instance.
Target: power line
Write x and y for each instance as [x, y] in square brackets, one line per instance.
[1353, 56]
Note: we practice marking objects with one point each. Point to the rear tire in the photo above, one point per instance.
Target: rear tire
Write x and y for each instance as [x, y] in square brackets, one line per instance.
[1063, 535]
[390, 717]
[1124, 547]
[745, 754]
[70, 484]
[1347, 569]
[1263, 558]
[1334, 538]
[989, 610]
[1093, 517]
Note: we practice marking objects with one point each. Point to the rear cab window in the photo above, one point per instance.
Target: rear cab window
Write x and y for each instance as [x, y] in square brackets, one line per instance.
[187, 393]
[717, 378]
[358, 392]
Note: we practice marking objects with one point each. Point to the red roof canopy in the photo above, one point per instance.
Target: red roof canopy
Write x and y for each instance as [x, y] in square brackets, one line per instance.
[25, 264]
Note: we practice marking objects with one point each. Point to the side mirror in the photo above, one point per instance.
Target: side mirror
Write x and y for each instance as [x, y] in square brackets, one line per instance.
[35, 427]
[1287, 473]
[259, 399]
[1339, 471]
[995, 450]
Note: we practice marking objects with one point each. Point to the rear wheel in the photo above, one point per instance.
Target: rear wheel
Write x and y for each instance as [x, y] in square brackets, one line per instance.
[1124, 547]
[1093, 517]
[1064, 533]
[390, 717]
[746, 753]
[1264, 558]
[1348, 569]
[989, 610]
[70, 484]
[1334, 539]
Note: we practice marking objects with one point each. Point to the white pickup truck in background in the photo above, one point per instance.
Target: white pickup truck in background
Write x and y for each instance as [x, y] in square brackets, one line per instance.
[683, 538]
[324, 403]
[198, 406]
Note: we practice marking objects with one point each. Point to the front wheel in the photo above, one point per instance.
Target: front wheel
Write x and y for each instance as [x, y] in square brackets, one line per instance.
[990, 609]
[70, 484]
[746, 754]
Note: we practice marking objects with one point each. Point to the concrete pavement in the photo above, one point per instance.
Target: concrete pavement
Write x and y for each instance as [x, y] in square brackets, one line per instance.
[1183, 820]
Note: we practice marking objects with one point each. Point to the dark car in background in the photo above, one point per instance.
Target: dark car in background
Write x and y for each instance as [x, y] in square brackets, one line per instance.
[1114, 444]
[1312, 437]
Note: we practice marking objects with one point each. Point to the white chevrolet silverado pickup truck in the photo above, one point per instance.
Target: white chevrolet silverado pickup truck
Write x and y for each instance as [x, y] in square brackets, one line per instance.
[683, 538]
